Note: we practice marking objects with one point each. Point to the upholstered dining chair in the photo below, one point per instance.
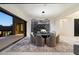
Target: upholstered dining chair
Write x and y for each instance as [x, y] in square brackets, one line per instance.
[33, 39]
[39, 40]
[57, 39]
[51, 40]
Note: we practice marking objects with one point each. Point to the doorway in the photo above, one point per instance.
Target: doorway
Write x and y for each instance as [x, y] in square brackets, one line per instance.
[19, 28]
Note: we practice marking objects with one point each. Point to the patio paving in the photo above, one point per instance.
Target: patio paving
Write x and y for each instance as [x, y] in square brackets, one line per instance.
[6, 41]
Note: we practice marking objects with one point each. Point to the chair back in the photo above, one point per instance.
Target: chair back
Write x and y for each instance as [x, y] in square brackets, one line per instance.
[51, 40]
[39, 40]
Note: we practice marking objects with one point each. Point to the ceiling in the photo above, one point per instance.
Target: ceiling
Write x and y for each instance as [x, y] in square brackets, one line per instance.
[51, 10]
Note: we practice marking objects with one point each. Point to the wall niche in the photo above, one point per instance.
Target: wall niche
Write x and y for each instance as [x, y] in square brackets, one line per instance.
[37, 25]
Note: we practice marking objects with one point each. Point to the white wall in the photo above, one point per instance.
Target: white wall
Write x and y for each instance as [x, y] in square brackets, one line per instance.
[57, 27]
[28, 28]
[52, 25]
[67, 27]
[67, 24]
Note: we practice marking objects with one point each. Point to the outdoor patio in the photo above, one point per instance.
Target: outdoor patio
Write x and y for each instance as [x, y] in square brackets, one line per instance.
[8, 40]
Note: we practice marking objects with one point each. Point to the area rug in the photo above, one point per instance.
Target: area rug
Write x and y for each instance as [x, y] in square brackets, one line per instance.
[25, 46]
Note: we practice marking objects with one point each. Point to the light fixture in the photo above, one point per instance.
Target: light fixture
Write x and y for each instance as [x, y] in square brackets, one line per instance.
[43, 11]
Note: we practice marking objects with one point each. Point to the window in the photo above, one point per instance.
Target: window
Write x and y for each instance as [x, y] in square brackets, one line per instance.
[21, 27]
[5, 20]
[6, 23]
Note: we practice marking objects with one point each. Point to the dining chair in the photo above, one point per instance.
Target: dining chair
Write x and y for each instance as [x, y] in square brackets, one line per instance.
[51, 40]
[39, 40]
[57, 39]
[33, 39]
